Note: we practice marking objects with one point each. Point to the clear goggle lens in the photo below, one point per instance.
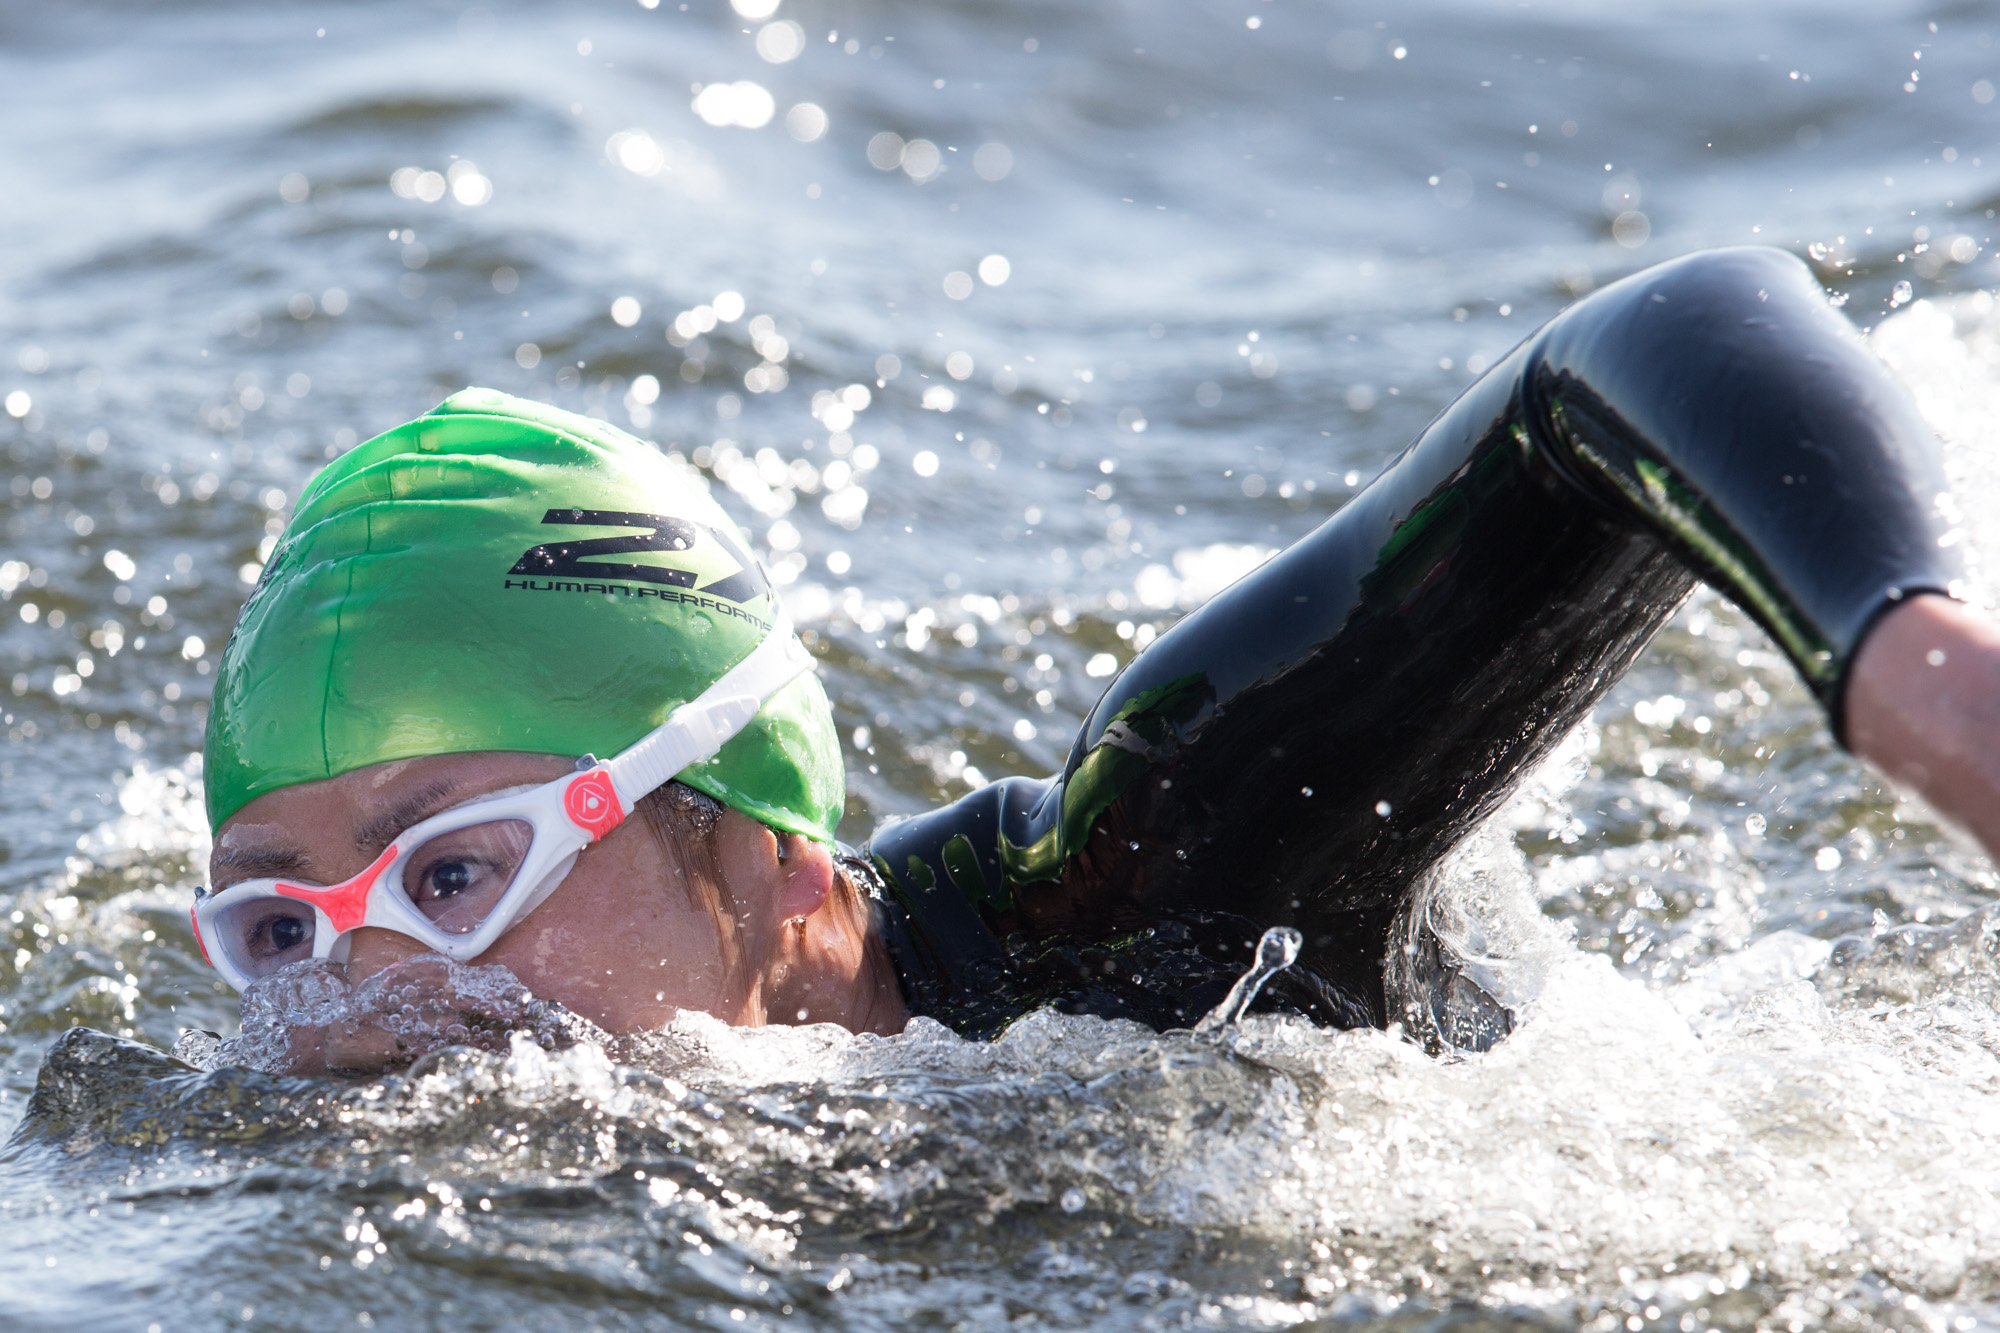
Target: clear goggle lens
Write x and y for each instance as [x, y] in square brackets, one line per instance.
[455, 879]
[458, 878]
[262, 935]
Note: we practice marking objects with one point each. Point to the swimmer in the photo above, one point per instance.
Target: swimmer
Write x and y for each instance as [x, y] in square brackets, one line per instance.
[512, 690]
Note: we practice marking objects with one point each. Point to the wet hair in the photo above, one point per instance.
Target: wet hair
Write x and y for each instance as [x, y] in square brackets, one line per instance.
[683, 821]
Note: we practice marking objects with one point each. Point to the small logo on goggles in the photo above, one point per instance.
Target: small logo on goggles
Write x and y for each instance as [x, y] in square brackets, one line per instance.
[591, 803]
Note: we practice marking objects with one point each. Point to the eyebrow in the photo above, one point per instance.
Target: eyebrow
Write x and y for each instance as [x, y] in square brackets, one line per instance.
[230, 864]
[381, 829]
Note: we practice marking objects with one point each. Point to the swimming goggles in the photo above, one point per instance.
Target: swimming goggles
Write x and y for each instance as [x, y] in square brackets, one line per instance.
[458, 881]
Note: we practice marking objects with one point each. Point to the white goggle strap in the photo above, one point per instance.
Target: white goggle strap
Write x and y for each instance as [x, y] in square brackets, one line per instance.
[700, 727]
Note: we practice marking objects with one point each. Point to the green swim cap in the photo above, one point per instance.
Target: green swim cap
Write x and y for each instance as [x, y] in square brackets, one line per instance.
[501, 575]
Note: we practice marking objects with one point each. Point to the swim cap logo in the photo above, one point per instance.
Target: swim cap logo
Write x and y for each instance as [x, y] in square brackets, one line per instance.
[591, 803]
[661, 533]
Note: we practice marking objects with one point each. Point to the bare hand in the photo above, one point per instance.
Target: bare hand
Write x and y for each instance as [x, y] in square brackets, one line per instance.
[1923, 705]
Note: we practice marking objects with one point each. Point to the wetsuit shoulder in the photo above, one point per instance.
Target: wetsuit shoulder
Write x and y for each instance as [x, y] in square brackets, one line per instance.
[1309, 746]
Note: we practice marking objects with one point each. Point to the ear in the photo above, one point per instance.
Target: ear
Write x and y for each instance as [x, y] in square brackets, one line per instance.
[772, 878]
[806, 871]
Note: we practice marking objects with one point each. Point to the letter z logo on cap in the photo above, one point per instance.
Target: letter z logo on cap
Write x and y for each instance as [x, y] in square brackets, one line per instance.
[662, 533]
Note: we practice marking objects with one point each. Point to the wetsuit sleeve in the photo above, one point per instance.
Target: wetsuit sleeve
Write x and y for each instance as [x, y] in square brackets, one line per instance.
[1308, 746]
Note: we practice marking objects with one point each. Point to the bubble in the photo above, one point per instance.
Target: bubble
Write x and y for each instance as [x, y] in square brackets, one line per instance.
[645, 390]
[885, 151]
[959, 365]
[293, 187]
[806, 122]
[888, 366]
[743, 104]
[781, 42]
[845, 507]
[1073, 1200]
[298, 384]
[837, 564]
[754, 9]
[938, 398]
[925, 464]
[333, 301]
[1621, 195]
[19, 404]
[625, 312]
[921, 159]
[993, 161]
[635, 151]
[856, 397]
[468, 186]
[34, 360]
[728, 306]
[429, 186]
[1631, 230]
[692, 323]
[1360, 398]
[1100, 665]
[527, 356]
[957, 285]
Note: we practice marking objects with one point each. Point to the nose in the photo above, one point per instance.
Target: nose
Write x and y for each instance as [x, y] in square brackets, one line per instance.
[352, 1047]
[356, 1045]
[371, 948]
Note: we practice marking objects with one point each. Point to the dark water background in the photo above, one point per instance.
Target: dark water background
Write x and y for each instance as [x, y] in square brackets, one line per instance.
[1250, 248]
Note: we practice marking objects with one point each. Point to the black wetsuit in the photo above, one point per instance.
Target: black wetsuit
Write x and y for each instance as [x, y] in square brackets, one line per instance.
[1307, 747]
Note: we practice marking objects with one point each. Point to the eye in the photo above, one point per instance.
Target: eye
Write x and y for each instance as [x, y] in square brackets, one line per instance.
[279, 934]
[447, 880]
[265, 934]
[457, 878]
[451, 877]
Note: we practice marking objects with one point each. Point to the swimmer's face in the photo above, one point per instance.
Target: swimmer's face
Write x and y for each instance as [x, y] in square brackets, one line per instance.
[624, 941]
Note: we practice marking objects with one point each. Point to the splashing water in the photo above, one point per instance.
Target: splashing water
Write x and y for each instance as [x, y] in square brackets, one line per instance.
[1277, 950]
[1753, 1076]
[307, 1018]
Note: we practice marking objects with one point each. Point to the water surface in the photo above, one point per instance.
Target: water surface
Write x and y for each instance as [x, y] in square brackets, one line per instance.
[1249, 249]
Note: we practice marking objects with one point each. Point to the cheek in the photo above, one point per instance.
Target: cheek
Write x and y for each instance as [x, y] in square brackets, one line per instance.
[620, 945]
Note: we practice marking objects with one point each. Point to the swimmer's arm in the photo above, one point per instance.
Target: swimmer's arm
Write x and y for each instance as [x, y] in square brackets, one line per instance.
[1923, 706]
